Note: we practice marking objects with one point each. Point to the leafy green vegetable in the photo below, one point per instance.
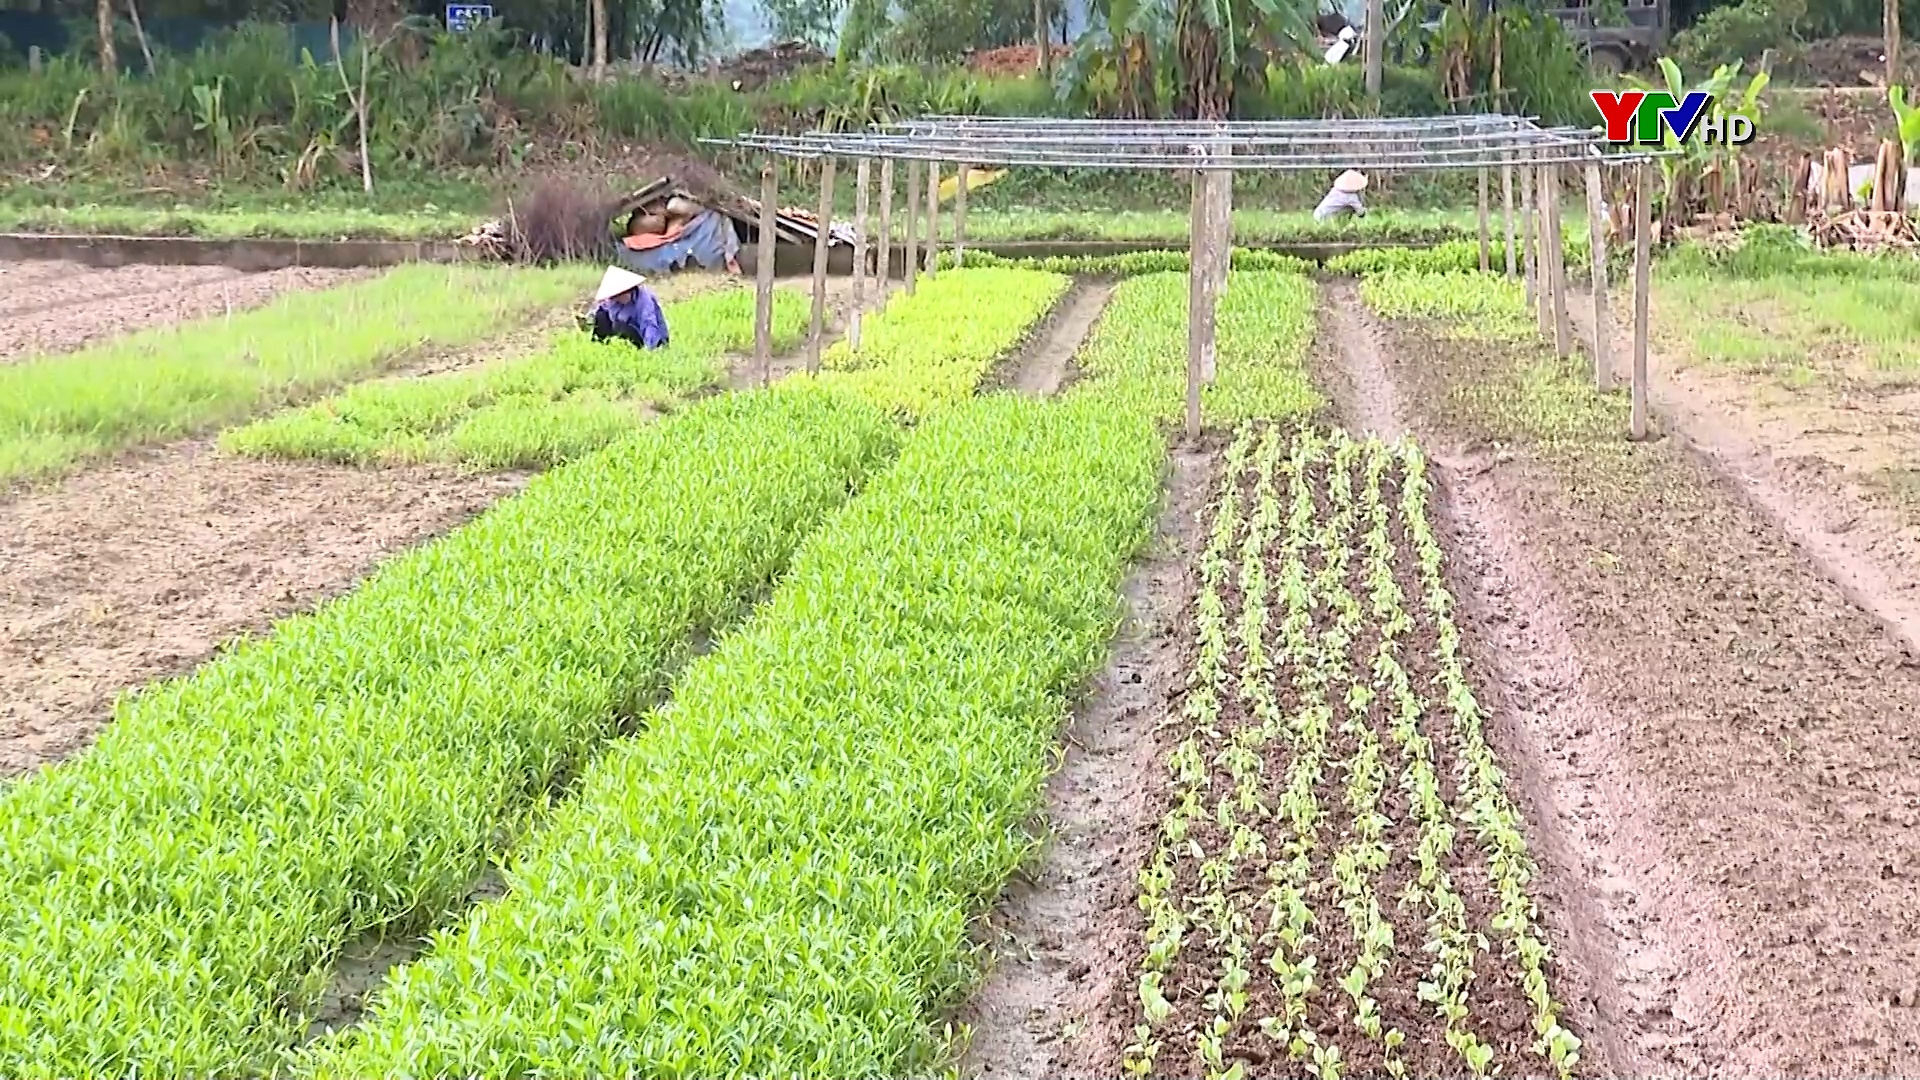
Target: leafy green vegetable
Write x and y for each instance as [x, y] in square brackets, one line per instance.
[576, 397]
[779, 878]
[932, 349]
[171, 901]
[1136, 356]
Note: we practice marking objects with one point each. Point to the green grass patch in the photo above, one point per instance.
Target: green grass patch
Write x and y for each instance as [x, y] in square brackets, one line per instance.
[781, 877]
[535, 412]
[1135, 358]
[1798, 329]
[172, 900]
[287, 223]
[178, 380]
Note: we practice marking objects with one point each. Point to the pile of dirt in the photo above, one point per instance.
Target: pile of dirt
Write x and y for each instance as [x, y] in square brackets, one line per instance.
[1849, 61]
[1011, 60]
[756, 68]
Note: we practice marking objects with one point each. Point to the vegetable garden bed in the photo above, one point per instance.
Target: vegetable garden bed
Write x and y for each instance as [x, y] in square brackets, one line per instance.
[1340, 880]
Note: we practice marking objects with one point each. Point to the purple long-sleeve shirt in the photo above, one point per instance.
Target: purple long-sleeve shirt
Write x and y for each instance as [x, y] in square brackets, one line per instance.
[640, 316]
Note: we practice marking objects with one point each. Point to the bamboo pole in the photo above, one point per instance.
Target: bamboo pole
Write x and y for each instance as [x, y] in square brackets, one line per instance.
[862, 176]
[883, 268]
[1506, 214]
[1642, 285]
[910, 270]
[1486, 259]
[763, 276]
[816, 337]
[1597, 245]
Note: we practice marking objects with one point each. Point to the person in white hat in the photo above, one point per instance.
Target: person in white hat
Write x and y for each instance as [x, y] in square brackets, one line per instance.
[624, 308]
[1344, 198]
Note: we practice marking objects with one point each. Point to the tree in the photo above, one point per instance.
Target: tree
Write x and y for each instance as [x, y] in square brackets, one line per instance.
[1890, 27]
[103, 16]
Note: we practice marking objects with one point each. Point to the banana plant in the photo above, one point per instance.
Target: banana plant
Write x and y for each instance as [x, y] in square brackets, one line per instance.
[1908, 117]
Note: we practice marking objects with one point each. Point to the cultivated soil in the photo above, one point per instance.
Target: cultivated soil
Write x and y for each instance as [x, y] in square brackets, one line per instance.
[145, 567]
[52, 307]
[1717, 749]
[1829, 458]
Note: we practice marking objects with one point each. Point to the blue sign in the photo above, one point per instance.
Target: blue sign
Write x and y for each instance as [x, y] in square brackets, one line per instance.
[464, 17]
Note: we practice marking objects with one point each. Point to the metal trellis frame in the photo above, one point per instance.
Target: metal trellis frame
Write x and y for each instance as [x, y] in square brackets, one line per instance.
[1211, 151]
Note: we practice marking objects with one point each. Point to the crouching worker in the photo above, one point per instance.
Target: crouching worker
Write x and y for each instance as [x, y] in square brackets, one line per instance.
[1344, 198]
[623, 308]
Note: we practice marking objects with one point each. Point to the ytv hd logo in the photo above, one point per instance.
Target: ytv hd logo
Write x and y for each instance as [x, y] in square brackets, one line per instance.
[1634, 117]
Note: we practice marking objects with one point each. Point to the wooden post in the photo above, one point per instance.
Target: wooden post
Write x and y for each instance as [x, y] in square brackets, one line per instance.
[1557, 244]
[1486, 258]
[1506, 213]
[1542, 260]
[960, 219]
[1196, 276]
[861, 177]
[910, 270]
[1597, 245]
[1376, 47]
[816, 336]
[933, 218]
[883, 266]
[1527, 268]
[1642, 285]
[763, 276]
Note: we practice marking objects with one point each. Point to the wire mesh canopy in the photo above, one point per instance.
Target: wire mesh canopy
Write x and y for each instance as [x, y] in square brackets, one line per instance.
[1392, 143]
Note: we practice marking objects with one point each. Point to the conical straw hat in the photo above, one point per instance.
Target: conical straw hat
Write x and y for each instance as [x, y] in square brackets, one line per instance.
[616, 281]
[1351, 182]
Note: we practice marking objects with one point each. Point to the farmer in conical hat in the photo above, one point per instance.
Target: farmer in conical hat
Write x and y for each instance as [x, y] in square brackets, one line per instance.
[1344, 198]
[624, 308]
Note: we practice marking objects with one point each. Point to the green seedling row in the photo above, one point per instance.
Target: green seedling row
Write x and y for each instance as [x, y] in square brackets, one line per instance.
[1130, 264]
[779, 878]
[1267, 898]
[574, 398]
[1135, 357]
[1462, 257]
[932, 349]
[1484, 306]
[172, 901]
[155, 384]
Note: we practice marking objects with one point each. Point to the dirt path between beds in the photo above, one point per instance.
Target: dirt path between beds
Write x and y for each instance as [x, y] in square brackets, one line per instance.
[1045, 366]
[1718, 752]
[1060, 933]
[50, 308]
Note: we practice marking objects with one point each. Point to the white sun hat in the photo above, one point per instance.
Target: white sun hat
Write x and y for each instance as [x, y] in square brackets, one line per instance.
[616, 281]
[1352, 182]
